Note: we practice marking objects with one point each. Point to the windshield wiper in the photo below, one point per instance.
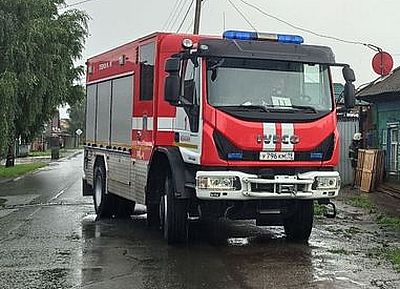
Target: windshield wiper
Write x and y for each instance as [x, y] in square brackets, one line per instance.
[291, 108]
[304, 108]
[246, 107]
[270, 108]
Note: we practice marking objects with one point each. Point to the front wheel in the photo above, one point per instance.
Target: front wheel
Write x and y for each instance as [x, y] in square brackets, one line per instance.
[298, 224]
[173, 215]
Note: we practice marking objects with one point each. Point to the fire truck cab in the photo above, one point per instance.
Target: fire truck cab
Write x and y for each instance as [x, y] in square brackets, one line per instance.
[242, 126]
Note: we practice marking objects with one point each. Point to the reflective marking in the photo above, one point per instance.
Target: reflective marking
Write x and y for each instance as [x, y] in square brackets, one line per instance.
[137, 123]
[165, 123]
[149, 123]
[287, 129]
[269, 129]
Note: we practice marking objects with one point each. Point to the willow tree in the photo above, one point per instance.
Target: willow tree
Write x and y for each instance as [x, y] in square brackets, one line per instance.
[38, 48]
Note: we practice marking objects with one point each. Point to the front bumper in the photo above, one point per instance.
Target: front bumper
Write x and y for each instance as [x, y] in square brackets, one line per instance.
[252, 187]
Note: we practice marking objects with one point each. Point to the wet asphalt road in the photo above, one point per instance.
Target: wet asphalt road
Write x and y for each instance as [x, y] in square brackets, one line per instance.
[49, 238]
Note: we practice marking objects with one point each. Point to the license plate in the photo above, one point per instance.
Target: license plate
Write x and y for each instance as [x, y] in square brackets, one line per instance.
[276, 156]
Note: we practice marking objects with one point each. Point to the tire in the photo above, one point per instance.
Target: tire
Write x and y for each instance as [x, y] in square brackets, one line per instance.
[298, 226]
[153, 215]
[103, 203]
[173, 215]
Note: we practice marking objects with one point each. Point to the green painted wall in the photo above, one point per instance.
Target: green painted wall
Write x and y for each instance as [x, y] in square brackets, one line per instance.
[385, 113]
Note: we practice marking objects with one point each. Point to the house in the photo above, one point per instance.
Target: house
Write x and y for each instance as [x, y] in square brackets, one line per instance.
[384, 96]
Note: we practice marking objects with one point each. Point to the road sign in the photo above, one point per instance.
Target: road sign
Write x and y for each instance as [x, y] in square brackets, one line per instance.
[78, 131]
[382, 63]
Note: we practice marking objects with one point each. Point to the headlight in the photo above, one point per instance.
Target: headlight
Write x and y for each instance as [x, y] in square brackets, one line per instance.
[218, 183]
[326, 183]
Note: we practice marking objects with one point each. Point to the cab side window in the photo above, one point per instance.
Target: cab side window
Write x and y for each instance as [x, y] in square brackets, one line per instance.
[146, 54]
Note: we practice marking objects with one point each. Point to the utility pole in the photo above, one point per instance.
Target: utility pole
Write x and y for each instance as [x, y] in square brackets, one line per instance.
[197, 17]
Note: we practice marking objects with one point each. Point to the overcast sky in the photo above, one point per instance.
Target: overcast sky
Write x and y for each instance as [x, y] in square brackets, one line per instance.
[114, 22]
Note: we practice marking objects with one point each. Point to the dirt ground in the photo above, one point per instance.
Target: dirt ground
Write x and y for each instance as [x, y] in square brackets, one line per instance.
[385, 203]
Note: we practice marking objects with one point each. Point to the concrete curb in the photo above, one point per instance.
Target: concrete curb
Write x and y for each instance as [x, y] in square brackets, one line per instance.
[8, 180]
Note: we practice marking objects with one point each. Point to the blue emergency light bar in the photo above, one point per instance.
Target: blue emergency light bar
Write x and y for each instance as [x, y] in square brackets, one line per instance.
[249, 35]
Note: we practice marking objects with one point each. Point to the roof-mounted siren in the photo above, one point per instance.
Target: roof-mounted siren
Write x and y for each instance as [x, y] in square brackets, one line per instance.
[261, 36]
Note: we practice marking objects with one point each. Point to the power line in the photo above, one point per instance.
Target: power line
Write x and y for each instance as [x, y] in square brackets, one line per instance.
[177, 15]
[186, 15]
[172, 15]
[77, 3]
[242, 14]
[371, 46]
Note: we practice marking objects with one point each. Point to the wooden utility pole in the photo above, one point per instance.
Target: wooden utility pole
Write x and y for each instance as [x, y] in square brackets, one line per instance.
[197, 17]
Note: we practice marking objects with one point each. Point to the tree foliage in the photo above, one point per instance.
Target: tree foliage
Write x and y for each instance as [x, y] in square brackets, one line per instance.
[77, 116]
[38, 47]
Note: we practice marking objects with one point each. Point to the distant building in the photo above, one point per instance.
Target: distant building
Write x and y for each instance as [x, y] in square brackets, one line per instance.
[385, 97]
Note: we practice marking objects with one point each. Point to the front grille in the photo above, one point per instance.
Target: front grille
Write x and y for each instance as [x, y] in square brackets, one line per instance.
[225, 148]
[262, 187]
[258, 188]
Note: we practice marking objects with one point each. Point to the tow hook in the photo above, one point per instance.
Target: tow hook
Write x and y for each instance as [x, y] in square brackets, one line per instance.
[330, 210]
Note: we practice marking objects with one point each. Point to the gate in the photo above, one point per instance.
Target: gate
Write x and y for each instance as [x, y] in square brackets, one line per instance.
[347, 128]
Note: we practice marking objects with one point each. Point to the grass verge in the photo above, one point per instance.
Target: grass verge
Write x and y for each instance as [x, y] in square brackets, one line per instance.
[393, 222]
[19, 170]
[361, 201]
[46, 153]
[393, 255]
[390, 254]
[40, 153]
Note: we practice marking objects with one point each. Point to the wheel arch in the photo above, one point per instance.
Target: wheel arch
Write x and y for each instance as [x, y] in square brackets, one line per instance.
[167, 158]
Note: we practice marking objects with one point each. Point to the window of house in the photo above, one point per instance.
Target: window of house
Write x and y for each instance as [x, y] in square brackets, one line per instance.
[146, 53]
[384, 136]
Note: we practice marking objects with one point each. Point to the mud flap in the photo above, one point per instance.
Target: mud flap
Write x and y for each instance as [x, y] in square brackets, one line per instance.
[87, 189]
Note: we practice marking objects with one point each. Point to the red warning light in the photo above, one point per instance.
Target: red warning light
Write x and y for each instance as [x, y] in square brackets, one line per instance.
[382, 63]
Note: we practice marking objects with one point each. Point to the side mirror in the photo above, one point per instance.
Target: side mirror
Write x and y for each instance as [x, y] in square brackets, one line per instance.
[172, 82]
[348, 74]
[349, 95]
[173, 65]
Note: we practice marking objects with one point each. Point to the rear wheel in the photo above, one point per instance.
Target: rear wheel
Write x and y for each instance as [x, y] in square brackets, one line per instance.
[298, 224]
[173, 215]
[103, 204]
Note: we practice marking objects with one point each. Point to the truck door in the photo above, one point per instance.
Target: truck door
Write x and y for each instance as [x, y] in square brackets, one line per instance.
[142, 135]
[188, 122]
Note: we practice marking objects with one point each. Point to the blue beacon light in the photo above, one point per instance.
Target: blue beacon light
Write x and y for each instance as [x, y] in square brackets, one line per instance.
[249, 35]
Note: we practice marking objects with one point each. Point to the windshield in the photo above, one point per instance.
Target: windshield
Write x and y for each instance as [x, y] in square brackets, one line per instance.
[268, 84]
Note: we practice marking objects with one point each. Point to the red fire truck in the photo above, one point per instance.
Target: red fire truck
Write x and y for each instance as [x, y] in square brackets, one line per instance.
[198, 127]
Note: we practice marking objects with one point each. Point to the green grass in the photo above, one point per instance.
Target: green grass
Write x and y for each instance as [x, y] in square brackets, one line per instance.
[393, 222]
[19, 170]
[40, 153]
[390, 254]
[319, 210]
[361, 201]
[47, 153]
[393, 255]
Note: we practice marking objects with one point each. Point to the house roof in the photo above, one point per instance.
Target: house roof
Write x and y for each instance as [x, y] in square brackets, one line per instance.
[388, 85]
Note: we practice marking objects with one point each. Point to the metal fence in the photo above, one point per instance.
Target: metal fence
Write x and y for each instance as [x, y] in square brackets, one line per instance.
[347, 128]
